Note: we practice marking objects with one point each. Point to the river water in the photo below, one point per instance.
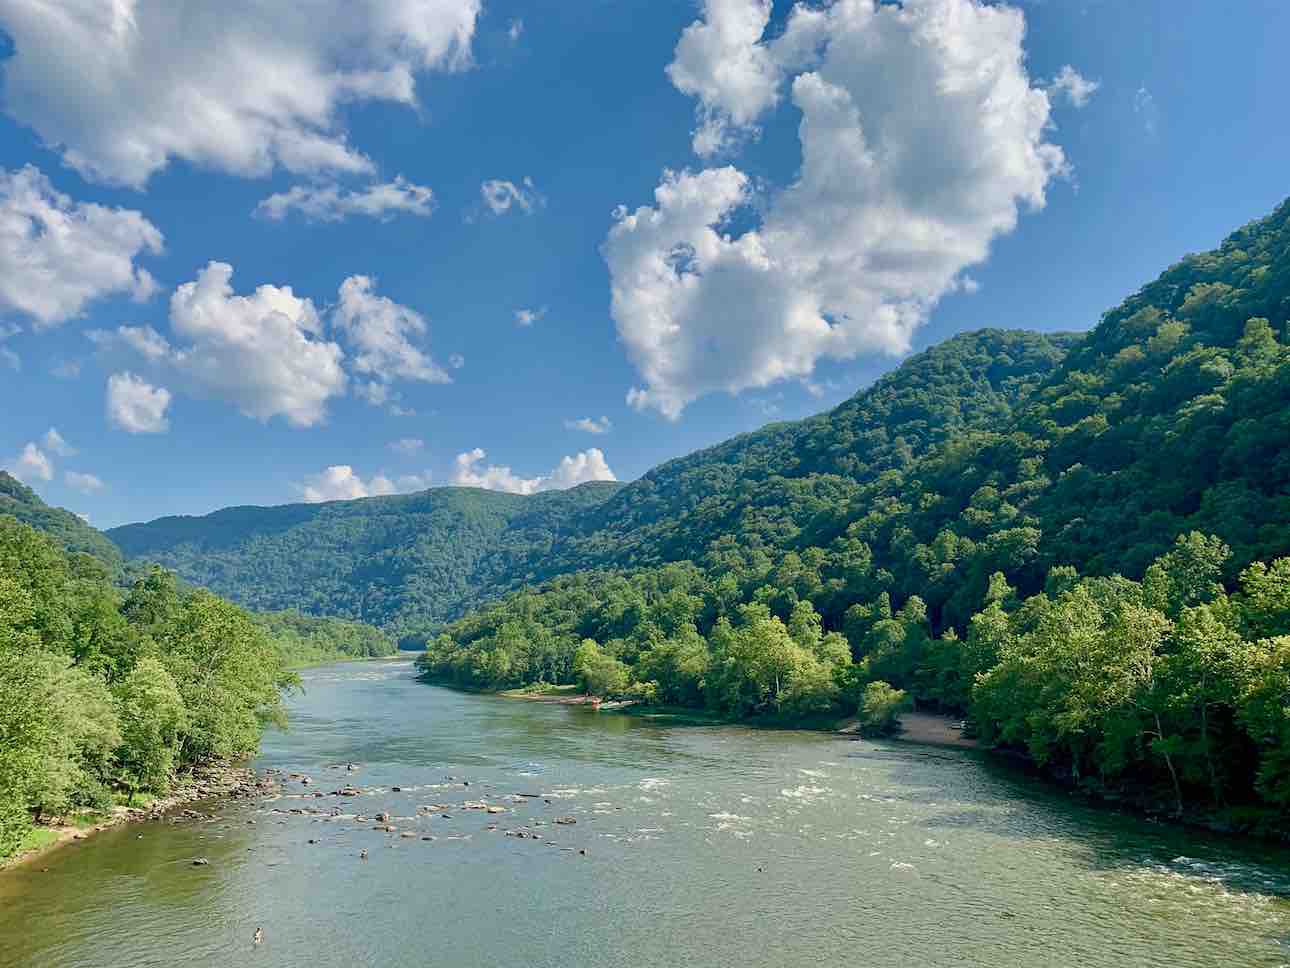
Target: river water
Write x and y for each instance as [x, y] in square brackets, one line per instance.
[704, 846]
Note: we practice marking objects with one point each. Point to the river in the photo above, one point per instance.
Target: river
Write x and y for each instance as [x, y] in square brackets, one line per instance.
[704, 846]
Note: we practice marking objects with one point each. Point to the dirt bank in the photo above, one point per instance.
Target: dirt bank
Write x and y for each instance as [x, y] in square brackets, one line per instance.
[214, 782]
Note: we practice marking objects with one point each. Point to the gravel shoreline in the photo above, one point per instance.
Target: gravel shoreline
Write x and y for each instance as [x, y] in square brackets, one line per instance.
[217, 781]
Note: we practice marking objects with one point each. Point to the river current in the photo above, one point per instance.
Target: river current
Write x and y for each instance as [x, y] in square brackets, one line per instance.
[696, 845]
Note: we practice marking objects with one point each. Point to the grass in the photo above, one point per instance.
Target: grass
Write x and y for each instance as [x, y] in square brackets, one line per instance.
[37, 837]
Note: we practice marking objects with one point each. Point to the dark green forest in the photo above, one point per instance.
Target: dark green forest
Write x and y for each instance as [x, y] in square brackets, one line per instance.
[1081, 543]
[1078, 541]
[404, 563]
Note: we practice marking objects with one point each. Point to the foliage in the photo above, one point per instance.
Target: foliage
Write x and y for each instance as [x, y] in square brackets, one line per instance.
[310, 639]
[880, 708]
[404, 563]
[70, 531]
[103, 690]
[1084, 544]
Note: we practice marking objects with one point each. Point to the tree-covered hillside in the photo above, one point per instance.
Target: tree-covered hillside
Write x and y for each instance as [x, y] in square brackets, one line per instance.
[767, 486]
[105, 693]
[410, 563]
[21, 502]
[1098, 576]
[403, 563]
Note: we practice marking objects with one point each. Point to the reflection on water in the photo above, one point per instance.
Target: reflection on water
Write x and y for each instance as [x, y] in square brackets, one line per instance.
[692, 844]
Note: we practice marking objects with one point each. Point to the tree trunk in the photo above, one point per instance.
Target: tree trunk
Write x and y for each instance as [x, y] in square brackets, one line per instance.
[1173, 774]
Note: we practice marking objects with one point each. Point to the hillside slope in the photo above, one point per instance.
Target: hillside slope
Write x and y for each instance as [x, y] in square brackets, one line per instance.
[68, 530]
[1100, 577]
[766, 486]
[411, 562]
[400, 562]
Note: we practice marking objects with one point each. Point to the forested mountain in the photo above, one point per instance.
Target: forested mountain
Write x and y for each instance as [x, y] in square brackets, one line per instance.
[408, 563]
[403, 562]
[70, 531]
[767, 486]
[1098, 576]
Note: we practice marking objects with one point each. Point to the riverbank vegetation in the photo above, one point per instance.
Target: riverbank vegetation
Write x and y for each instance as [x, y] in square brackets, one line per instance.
[106, 693]
[1082, 544]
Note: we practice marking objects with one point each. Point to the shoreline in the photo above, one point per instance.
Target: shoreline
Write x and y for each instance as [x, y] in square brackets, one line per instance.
[224, 782]
[925, 729]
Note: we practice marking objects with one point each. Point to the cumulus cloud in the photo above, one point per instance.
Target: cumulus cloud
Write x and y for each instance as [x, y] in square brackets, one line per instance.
[120, 87]
[527, 317]
[31, 465]
[85, 483]
[135, 405]
[470, 471]
[721, 61]
[500, 196]
[331, 203]
[921, 139]
[590, 425]
[1073, 86]
[380, 333]
[265, 353]
[57, 255]
[143, 340]
[55, 442]
[407, 445]
[340, 483]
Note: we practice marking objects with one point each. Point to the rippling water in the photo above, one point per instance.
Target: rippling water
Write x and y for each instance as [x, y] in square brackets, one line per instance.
[704, 846]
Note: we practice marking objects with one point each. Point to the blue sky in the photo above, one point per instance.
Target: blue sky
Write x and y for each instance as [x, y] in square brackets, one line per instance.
[788, 284]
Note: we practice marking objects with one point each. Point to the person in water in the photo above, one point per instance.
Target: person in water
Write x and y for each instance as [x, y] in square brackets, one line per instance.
[258, 936]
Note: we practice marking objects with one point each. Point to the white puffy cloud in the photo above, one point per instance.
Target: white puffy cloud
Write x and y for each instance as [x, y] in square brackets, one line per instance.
[470, 471]
[1073, 86]
[265, 353]
[340, 483]
[31, 465]
[407, 445]
[331, 203]
[380, 332]
[501, 195]
[589, 465]
[123, 86]
[590, 425]
[721, 61]
[55, 442]
[143, 340]
[527, 317]
[921, 139]
[85, 483]
[57, 255]
[137, 406]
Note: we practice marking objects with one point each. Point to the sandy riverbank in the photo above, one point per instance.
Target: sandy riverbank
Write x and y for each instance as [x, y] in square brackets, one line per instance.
[215, 782]
[927, 729]
[566, 697]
